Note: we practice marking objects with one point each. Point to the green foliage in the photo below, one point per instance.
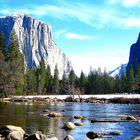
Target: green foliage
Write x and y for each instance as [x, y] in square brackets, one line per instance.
[48, 80]
[41, 77]
[130, 79]
[56, 81]
[12, 68]
[30, 81]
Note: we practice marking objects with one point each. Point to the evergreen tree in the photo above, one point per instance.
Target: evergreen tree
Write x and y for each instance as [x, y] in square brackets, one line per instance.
[2, 63]
[12, 72]
[2, 46]
[82, 82]
[41, 77]
[30, 81]
[64, 84]
[56, 81]
[130, 79]
[48, 80]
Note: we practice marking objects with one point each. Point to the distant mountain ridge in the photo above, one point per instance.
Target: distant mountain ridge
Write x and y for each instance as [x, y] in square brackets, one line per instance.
[118, 71]
[35, 42]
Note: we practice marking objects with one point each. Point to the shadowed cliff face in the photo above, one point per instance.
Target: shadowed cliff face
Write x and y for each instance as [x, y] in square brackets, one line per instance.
[134, 58]
[35, 42]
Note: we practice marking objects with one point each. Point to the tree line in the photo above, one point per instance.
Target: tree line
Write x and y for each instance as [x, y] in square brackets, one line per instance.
[15, 79]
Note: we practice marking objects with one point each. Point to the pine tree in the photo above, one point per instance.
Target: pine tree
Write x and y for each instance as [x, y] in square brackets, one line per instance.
[2, 46]
[2, 64]
[130, 79]
[56, 81]
[41, 77]
[12, 75]
[137, 79]
[82, 82]
[48, 80]
[30, 81]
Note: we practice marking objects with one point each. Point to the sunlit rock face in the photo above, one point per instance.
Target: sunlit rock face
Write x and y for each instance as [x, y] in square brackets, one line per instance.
[35, 42]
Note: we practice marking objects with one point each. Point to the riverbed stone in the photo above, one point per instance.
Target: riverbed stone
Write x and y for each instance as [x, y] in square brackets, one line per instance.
[122, 116]
[117, 132]
[69, 137]
[131, 118]
[16, 135]
[137, 138]
[78, 117]
[53, 138]
[12, 132]
[92, 135]
[55, 114]
[79, 123]
[69, 125]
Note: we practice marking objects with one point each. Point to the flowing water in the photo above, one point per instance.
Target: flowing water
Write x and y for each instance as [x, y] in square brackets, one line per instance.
[32, 118]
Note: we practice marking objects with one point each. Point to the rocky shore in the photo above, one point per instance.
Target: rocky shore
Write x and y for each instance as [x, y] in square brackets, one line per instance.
[11, 132]
[95, 100]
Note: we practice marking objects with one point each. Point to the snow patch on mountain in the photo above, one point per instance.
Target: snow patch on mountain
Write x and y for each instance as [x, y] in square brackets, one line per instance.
[118, 71]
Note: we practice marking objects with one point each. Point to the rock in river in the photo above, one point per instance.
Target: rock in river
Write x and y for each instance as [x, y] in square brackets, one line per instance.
[69, 125]
[69, 137]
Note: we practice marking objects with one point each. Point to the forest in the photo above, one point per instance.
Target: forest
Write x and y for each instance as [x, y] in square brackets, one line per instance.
[15, 79]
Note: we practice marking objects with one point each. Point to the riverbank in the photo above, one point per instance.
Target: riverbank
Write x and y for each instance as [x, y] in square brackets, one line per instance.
[113, 98]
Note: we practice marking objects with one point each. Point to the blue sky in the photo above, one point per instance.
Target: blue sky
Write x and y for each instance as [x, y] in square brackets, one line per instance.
[95, 33]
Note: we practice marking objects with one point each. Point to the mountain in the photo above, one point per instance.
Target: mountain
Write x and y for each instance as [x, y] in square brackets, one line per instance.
[118, 71]
[35, 42]
[134, 57]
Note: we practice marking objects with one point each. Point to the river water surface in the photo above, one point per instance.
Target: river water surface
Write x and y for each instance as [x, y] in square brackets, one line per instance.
[32, 118]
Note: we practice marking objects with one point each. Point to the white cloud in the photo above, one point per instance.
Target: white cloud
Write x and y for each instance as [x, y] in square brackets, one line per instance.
[77, 36]
[129, 3]
[131, 22]
[89, 14]
[58, 33]
[108, 60]
[125, 3]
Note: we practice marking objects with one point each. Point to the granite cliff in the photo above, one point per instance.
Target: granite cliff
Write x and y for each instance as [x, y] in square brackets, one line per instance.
[35, 42]
[134, 57]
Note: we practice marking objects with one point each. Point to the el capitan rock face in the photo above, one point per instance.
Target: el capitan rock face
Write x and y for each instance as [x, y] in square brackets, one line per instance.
[35, 42]
[134, 58]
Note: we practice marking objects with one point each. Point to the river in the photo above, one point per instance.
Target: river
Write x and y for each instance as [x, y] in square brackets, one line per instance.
[32, 118]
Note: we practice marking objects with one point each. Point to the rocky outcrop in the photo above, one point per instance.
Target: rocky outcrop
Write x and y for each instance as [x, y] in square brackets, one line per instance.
[35, 42]
[134, 58]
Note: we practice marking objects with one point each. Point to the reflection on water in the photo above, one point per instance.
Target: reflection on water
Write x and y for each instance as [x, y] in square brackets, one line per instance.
[32, 118]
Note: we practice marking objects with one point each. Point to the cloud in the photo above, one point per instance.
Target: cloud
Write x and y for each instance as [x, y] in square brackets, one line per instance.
[131, 22]
[77, 36]
[58, 33]
[89, 14]
[109, 60]
[125, 3]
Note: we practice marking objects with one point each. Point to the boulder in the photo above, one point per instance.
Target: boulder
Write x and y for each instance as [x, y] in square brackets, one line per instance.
[69, 137]
[16, 135]
[53, 138]
[37, 136]
[55, 114]
[122, 116]
[131, 118]
[79, 123]
[92, 135]
[137, 138]
[78, 117]
[69, 125]
[117, 132]
[12, 132]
